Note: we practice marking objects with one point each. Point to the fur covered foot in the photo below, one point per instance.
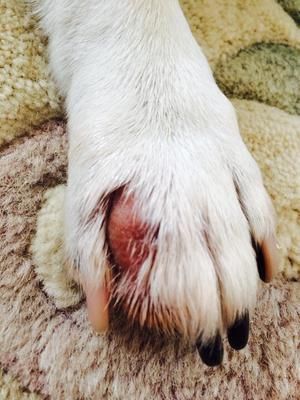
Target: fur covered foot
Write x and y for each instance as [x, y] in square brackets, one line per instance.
[166, 212]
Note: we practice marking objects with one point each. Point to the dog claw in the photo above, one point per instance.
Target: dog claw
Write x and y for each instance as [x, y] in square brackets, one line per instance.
[238, 333]
[266, 258]
[97, 299]
[212, 352]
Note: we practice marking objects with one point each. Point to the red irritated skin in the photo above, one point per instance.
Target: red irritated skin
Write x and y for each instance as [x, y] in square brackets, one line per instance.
[130, 241]
[129, 236]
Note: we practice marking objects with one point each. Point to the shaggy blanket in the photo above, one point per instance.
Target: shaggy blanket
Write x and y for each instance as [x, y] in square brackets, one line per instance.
[47, 349]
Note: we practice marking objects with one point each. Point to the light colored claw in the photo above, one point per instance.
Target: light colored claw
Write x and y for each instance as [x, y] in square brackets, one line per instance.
[97, 299]
[269, 248]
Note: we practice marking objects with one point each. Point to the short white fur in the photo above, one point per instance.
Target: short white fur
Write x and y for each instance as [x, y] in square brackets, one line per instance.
[144, 110]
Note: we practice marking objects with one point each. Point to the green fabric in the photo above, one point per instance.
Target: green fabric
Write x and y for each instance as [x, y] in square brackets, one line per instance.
[292, 7]
[253, 75]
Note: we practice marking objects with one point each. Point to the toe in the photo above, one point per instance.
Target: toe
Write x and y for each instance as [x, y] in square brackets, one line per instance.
[229, 241]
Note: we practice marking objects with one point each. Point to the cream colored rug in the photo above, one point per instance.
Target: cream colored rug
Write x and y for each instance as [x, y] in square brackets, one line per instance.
[47, 349]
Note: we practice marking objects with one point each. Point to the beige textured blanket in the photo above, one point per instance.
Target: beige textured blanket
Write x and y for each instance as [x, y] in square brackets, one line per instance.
[46, 345]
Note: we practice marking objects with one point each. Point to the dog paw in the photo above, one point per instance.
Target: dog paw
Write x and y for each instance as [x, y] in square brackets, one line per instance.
[180, 223]
[166, 212]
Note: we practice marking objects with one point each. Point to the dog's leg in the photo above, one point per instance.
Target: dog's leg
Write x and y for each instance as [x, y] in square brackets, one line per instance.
[160, 182]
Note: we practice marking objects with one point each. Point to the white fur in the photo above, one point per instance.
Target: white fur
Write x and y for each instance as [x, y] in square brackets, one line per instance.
[144, 110]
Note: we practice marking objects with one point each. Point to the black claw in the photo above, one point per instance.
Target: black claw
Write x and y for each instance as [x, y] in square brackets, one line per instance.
[212, 352]
[238, 333]
[259, 260]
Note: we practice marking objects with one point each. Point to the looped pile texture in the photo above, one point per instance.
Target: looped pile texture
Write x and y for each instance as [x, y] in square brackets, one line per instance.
[47, 349]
